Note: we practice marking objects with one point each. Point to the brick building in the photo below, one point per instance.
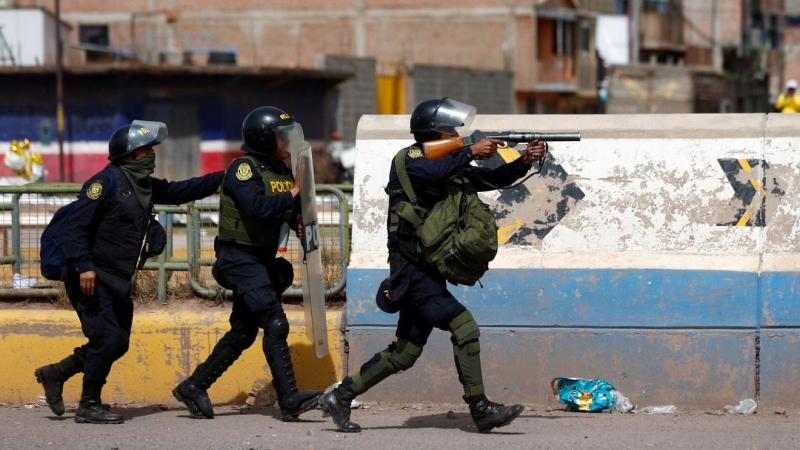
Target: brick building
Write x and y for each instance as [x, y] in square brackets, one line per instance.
[546, 44]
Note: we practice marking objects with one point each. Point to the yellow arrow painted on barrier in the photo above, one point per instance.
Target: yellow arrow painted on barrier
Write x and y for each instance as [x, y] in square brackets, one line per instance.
[759, 190]
[504, 234]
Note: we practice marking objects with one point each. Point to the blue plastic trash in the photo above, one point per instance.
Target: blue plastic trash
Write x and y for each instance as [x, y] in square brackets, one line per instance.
[584, 395]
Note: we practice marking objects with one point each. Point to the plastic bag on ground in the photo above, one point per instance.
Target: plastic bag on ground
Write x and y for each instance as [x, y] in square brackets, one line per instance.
[20, 281]
[745, 407]
[663, 409]
[621, 403]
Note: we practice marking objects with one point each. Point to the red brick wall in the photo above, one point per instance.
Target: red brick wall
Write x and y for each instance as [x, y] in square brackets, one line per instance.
[480, 34]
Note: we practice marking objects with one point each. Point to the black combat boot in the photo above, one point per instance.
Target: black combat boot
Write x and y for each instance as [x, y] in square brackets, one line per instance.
[291, 401]
[337, 404]
[488, 415]
[91, 409]
[195, 398]
[52, 378]
[192, 391]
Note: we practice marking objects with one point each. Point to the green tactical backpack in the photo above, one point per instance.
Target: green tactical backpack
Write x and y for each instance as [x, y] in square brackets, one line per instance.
[458, 235]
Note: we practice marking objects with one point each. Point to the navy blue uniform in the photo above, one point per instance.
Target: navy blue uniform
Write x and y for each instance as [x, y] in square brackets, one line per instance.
[251, 272]
[104, 235]
[256, 202]
[430, 304]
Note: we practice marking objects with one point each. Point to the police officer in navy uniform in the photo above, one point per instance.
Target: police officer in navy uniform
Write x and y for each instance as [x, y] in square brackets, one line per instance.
[259, 195]
[428, 303]
[102, 244]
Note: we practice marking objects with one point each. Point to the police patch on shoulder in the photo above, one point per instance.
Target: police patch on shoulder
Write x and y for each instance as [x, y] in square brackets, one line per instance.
[414, 153]
[244, 172]
[94, 191]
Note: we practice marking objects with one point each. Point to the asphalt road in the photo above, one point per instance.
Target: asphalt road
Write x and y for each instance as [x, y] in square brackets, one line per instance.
[388, 427]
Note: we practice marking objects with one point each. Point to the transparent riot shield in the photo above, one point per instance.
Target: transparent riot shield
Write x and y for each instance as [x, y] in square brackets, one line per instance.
[311, 267]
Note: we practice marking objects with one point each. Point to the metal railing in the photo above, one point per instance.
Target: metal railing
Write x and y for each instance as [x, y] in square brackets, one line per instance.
[26, 210]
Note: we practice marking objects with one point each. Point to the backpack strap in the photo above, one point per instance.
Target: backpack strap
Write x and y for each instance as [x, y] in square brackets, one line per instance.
[402, 175]
[406, 210]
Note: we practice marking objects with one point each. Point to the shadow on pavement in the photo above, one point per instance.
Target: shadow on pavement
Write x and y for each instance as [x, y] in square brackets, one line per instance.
[444, 421]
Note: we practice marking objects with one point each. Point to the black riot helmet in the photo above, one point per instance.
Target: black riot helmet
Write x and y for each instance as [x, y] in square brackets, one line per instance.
[441, 115]
[140, 133]
[265, 126]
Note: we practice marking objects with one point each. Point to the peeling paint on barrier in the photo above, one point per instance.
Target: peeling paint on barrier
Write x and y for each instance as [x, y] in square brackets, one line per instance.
[165, 348]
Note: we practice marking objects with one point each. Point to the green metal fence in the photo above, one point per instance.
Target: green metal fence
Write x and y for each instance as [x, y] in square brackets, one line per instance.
[191, 228]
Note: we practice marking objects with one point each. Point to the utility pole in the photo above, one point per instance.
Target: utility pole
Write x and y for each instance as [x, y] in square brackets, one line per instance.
[716, 49]
[636, 26]
[779, 34]
[60, 92]
[747, 25]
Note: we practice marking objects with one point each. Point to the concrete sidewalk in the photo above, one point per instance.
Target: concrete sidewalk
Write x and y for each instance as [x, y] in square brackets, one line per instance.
[392, 427]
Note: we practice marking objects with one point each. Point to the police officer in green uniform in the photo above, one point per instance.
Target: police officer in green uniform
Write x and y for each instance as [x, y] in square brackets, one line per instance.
[258, 196]
[428, 304]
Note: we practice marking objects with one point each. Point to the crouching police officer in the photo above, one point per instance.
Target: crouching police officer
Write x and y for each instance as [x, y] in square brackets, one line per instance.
[102, 241]
[427, 302]
[259, 195]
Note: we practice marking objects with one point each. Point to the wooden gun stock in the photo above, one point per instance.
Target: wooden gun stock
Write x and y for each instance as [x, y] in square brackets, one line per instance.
[442, 147]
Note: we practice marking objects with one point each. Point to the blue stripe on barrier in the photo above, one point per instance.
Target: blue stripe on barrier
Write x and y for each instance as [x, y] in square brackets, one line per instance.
[779, 305]
[587, 298]
[780, 367]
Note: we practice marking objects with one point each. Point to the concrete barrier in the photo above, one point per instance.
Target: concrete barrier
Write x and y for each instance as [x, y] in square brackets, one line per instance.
[165, 348]
[659, 253]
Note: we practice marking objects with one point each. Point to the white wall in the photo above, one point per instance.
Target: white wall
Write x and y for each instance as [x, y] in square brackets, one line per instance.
[31, 35]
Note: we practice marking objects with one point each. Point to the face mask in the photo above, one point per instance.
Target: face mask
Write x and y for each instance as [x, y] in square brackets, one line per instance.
[143, 166]
[138, 173]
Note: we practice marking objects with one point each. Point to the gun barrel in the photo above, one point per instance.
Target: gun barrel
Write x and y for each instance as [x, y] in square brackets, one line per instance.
[528, 137]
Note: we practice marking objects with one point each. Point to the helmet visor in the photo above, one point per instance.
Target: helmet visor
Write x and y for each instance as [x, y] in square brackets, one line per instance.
[290, 137]
[144, 133]
[452, 116]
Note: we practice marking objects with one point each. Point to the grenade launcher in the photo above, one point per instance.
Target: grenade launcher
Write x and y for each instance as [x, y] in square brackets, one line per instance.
[443, 147]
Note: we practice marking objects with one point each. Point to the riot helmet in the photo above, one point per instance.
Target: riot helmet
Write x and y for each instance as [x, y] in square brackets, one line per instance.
[129, 138]
[443, 115]
[266, 126]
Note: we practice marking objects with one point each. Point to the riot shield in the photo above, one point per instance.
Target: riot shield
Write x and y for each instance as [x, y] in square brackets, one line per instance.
[311, 267]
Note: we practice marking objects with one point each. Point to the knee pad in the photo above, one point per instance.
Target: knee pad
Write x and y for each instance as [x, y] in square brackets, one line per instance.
[464, 329]
[277, 327]
[404, 356]
[397, 357]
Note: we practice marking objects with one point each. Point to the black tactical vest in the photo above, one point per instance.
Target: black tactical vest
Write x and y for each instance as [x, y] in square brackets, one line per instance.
[237, 227]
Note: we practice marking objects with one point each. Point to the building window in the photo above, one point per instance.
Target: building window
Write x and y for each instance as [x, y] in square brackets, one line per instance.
[657, 6]
[95, 40]
[562, 38]
[585, 38]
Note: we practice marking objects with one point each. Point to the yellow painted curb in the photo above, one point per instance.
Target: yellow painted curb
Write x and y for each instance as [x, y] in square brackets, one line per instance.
[165, 348]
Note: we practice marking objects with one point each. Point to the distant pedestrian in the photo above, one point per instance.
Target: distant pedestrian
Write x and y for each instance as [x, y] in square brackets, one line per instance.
[789, 101]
